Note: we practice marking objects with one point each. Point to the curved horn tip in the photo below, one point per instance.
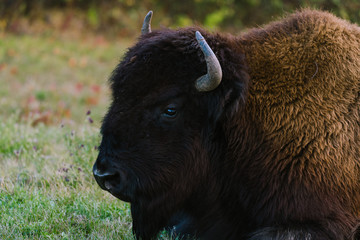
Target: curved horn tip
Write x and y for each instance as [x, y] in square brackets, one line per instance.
[146, 27]
[149, 15]
[198, 36]
[205, 48]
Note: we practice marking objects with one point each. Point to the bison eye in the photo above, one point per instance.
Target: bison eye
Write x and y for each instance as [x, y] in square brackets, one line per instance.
[170, 112]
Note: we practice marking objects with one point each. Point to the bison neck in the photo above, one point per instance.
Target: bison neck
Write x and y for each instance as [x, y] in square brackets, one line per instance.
[204, 217]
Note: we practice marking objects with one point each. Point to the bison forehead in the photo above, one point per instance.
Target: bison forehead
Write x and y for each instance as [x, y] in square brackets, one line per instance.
[162, 58]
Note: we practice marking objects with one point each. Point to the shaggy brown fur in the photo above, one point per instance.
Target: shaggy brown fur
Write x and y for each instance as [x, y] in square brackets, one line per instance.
[304, 109]
[272, 153]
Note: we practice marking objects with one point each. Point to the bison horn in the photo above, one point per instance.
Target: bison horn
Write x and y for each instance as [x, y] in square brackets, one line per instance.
[146, 27]
[212, 78]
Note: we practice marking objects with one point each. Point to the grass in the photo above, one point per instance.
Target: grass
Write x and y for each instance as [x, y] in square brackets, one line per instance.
[47, 189]
[62, 77]
[53, 95]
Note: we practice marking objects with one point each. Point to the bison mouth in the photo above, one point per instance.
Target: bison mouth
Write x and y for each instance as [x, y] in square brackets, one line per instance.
[118, 192]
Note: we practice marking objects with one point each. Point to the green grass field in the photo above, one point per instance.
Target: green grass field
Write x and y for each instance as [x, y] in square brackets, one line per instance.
[53, 94]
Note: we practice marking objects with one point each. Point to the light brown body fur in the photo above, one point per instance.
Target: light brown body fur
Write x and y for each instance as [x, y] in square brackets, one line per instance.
[304, 108]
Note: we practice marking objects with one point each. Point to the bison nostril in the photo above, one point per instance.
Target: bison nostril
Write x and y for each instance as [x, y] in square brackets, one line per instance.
[102, 177]
[99, 174]
[114, 180]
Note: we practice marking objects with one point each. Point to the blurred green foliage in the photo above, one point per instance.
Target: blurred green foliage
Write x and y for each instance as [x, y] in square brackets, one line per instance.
[231, 15]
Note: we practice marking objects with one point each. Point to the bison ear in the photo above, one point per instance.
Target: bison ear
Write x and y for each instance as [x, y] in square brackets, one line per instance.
[230, 97]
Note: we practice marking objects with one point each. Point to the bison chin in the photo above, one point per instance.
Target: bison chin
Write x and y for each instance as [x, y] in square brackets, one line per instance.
[125, 196]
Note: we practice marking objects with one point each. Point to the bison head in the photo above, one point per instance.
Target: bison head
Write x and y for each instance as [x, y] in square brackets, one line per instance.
[162, 143]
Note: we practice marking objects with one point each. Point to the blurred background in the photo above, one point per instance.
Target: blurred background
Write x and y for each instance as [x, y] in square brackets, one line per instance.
[55, 59]
[62, 51]
[122, 18]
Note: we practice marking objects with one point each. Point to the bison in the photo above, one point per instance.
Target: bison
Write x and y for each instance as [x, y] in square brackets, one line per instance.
[255, 136]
